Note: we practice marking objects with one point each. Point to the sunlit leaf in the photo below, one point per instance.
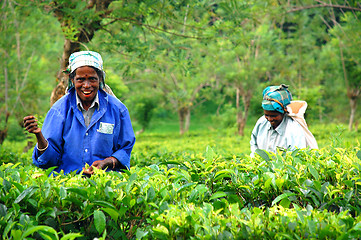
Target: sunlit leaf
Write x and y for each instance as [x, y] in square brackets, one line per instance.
[218, 195]
[71, 236]
[282, 196]
[27, 192]
[45, 229]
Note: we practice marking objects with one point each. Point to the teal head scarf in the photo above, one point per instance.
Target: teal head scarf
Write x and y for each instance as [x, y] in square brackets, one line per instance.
[276, 98]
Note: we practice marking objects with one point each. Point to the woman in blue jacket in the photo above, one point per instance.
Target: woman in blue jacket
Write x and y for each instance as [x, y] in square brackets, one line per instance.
[85, 126]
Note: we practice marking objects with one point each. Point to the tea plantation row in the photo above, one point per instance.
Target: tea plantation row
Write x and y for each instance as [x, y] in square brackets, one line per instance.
[180, 194]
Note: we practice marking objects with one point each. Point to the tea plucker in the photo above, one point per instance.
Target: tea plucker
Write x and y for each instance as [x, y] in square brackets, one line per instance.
[275, 129]
[86, 126]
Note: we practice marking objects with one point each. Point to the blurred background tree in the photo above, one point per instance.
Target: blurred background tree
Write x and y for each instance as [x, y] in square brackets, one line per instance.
[209, 59]
[28, 57]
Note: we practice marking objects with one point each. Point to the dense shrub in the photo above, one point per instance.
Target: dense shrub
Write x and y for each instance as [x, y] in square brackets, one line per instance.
[300, 194]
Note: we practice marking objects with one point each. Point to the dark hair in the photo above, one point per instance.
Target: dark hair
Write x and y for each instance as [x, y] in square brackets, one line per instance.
[99, 73]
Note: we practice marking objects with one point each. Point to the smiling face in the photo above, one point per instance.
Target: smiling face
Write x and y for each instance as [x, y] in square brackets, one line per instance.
[86, 82]
[275, 118]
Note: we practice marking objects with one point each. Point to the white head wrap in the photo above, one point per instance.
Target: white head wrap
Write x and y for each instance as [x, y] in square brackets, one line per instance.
[85, 58]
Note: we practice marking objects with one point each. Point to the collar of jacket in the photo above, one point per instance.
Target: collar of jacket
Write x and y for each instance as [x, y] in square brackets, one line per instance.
[98, 113]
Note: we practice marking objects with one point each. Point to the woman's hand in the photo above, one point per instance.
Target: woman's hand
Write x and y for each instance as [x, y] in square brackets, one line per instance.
[109, 162]
[31, 124]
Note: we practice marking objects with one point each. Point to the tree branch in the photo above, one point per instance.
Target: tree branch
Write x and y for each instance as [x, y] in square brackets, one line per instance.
[174, 80]
[323, 5]
[197, 89]
[154, 29]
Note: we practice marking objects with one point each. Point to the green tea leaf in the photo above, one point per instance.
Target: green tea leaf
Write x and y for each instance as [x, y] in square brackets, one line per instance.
[3, 210]
[348, 195]
[104, 204]
[225, 173]
[218, 195]
[39, 213]
[71, 236]
[161, 231]
[140, 234]
[114, 214]
[49, 170]
[357, 227]
[182, 188]
[163, 207]
[81, 192]
[16, 233]
[173, 163]
[40, 228]
[262, 153]
[313, 172]
[62, 192]
[150, 193]
[285, 203]
[132, 178]
[294, 153]
[358, 154]
[6, 185]
[210, 154]
[27, 192]
[18, 186]
[268, 184]
[99, 221]
[8, 227]
[300, 216]
[282, 196]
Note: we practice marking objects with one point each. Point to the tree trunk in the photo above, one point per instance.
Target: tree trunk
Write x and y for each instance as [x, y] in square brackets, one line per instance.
[3, 134]
[239, 113]
[188, 120]
[353, 105]
[240, 123]
[356, 125]
[320, 111]
[4, 131]
[184, 119]
[84, 35]
[181, 121]
[62, 78]
[352, 93]
[242, 115]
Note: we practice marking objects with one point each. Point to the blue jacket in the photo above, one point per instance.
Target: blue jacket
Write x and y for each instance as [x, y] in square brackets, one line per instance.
[72, 144]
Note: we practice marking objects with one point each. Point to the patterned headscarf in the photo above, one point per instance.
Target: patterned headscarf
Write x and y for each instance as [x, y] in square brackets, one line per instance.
[276, 98]
[85, 58]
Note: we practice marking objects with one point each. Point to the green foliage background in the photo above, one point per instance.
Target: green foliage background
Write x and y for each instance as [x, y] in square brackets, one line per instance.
[194, 55]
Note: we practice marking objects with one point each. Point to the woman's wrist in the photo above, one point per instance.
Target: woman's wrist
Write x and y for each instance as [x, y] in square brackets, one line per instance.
[44, 148]
[112, 162]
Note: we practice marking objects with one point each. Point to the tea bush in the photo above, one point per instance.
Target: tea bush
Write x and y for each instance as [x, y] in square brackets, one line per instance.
[300, 194]
[200, 186]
